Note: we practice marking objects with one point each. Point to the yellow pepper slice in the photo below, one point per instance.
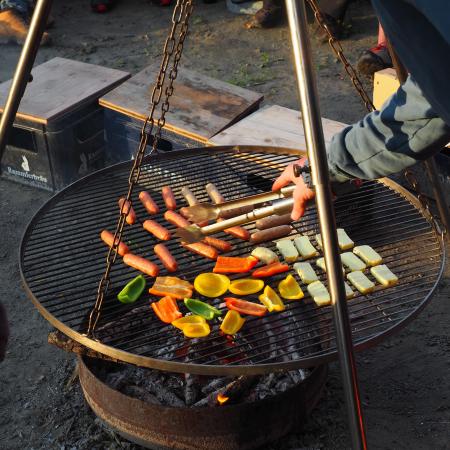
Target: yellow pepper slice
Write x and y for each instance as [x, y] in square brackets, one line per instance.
[290, 289]
[211, 284]
[188, 320]
[270, 299]
[195, 330]
[246, 286]
[232, 322]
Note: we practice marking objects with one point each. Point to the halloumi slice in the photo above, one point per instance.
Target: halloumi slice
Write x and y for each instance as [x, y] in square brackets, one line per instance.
[305, 272]
[361, 282]
[348, 291]
[351, 261]
[321, 263]
[345, 243]
[305, 248]
[288, 250]
[384, 275]
[368, 255]
[319, 293]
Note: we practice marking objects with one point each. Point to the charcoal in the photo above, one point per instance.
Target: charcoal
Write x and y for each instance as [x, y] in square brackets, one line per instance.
[140, 394]
[215, 384]
[191, 390]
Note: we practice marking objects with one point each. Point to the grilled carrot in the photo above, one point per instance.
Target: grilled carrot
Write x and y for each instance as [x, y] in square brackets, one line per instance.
[169, 198]
[163, 253]
[175, 219]
[108, 238]
[128, 210]
[202, 249]
[219, 244]
[156, 229]
[149, 204]
[239, 232]
[141, 264]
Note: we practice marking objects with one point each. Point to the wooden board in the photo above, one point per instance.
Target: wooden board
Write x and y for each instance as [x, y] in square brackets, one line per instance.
[273, 126]
[60, 85]
[199, 108]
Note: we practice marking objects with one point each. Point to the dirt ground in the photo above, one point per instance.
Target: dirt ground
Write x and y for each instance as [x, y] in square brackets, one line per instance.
[404, 381]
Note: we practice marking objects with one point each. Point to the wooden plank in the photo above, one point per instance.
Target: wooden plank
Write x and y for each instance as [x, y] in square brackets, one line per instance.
[273, 126]
[200, 107]
[61, 85]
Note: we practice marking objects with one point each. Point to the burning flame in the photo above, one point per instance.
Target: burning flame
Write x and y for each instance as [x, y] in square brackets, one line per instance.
[222, 399]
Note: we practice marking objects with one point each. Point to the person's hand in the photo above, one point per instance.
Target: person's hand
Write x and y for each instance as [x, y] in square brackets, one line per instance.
[4, 332]
[302, 192]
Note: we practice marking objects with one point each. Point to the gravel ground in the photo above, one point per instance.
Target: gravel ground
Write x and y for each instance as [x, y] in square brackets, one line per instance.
[404, 381]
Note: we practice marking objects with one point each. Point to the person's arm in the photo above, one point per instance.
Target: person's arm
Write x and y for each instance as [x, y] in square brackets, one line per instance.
[384, 142]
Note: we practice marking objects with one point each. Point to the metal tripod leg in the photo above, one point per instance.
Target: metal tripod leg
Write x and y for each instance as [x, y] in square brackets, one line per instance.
[23, 69]
[319, 171]
[430, 163]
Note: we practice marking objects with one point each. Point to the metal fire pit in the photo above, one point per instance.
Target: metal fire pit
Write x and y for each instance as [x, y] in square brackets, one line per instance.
[62, 260]
[238, 426]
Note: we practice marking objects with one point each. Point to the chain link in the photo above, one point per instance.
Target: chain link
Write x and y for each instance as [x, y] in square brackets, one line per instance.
[172, 47]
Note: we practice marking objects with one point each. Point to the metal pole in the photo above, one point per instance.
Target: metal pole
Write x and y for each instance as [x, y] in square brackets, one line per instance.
[430, 163]
[23, 69]
[319, 171]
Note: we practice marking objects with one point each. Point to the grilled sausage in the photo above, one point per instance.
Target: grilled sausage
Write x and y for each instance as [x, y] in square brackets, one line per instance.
[141, 264]
[149, 204]
[157, 230]
[169, 198]
[236, 212]
[163, 253]
[273, 221]
[128, 210]
[189, 196]
[175, 219]
[270, 234]
[214, 193]
[202, 249]
[108, 238]
[219, 244]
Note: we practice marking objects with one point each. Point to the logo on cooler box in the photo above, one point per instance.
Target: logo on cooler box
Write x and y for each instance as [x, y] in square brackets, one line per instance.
[25, 165]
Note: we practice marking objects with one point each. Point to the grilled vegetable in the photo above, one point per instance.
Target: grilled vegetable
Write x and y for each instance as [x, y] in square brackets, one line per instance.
[202, 249]
[234, 264]
[128, 210]
[108, 239]
[246, 286]
[188, 320]
[166, 309]
[384, 275]
[270, 270]
[156, 229]
[305, 248]
[173, 286]
[273, 221]
[361, 282]
[288, 250]
[163, 253]
[132, 290]
[149, 204]
[211, 284]
[175, 219]
[196, 330]
[245, 307]
[270, 234]
[168, 197]
[265, 255]
[142, 264]
[270, 299]
[368, 255]
[232, 322]
[289, 289]
[306, 272]
[238, 232]
[219, 244]
[202, 309]
[351, 261]
[319, 293]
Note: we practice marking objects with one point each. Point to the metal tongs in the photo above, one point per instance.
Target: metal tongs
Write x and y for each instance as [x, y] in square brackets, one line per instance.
[206, 211]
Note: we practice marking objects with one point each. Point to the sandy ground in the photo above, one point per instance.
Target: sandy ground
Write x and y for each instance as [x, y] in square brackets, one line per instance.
[404, 381]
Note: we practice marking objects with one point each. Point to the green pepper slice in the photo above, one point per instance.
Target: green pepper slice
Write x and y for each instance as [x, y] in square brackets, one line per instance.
[202, 309]
[132, 290]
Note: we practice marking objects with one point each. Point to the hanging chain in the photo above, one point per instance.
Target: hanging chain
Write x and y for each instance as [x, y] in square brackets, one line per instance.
[356, 81]
[173, 46]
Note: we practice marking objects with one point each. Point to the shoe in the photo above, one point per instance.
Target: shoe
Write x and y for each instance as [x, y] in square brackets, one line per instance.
[373, 60]
[335, 27]
[14, 28]
[102, 6]
[265, 18]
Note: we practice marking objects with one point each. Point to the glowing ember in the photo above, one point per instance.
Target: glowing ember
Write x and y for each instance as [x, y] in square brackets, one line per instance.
[222, 399]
